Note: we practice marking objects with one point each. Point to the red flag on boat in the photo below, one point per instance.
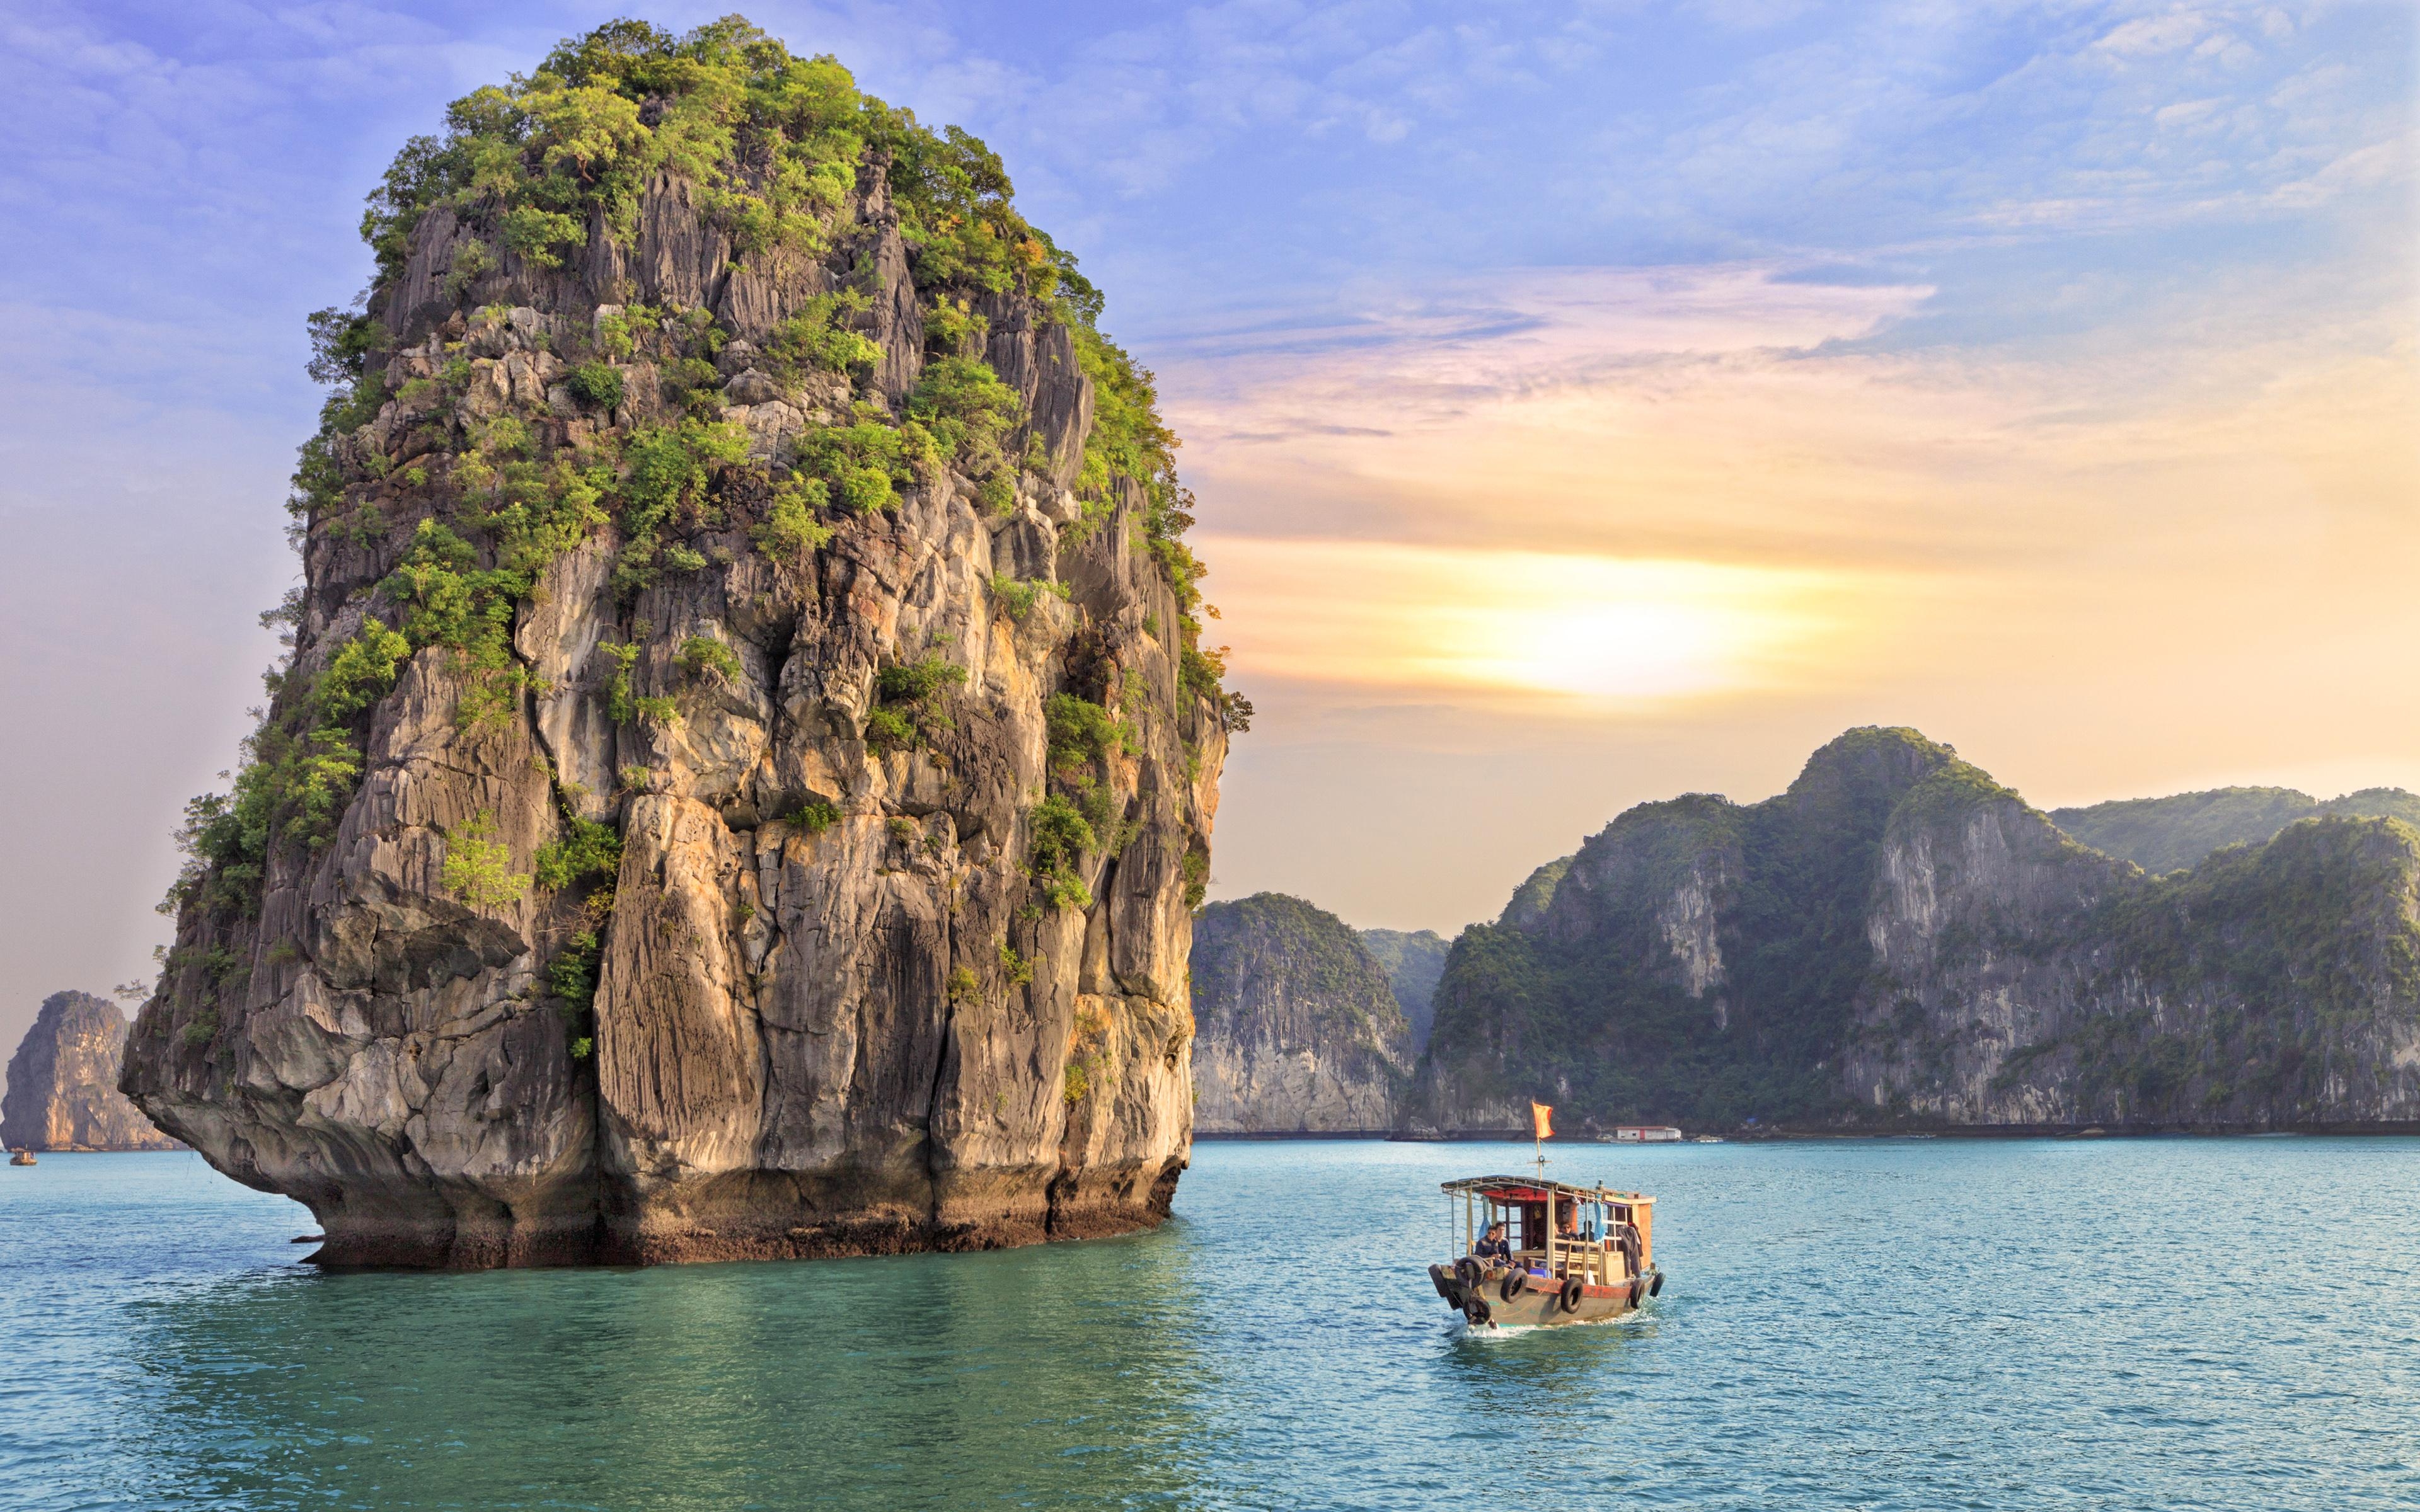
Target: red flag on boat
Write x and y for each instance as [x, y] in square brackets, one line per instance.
[1543, 1115]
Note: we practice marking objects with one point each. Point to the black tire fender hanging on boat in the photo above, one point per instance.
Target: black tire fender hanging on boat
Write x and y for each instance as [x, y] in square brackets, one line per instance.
[1655, 1287]
[1572, 1292]
[1475, 1309]
[1516, 1281]
[1466, 1271]
[1436, 1279]
[1638, 1290]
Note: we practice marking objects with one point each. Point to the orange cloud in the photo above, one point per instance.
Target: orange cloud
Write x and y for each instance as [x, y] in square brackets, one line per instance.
[1617, 498]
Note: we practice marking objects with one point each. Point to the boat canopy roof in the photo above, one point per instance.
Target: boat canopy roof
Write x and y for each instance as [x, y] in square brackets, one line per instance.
[1530, 1189]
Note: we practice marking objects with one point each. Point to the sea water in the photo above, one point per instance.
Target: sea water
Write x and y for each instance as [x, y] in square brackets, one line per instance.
[1873, 1324]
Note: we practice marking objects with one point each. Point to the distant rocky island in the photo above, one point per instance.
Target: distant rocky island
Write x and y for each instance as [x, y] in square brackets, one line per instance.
[747, 760]
[1900, 942]
[62, 1091]
[1897, 942]
[1299, 1027]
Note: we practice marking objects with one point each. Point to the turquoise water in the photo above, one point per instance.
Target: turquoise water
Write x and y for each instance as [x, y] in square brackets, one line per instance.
[1919, 1324]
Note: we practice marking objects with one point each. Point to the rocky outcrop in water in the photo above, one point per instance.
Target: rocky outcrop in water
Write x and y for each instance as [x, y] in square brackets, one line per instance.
[1898, 941]
[63, 1081]
[746, 764]
[1297, 1028]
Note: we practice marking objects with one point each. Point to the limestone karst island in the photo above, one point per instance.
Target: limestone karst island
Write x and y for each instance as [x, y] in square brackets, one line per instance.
[1210, 757]
[746, 759]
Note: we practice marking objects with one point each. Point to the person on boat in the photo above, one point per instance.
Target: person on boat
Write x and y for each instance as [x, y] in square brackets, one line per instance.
[1491, 1248]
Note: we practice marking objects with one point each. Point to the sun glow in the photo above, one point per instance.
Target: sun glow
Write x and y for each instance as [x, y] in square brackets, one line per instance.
[1588, 629]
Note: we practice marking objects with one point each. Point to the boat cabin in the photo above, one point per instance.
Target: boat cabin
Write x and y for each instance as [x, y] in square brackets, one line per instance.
[1599, 1235]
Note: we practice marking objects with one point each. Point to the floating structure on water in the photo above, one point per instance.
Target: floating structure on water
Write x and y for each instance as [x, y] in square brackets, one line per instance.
[1565, 1254]
[1642, 1133]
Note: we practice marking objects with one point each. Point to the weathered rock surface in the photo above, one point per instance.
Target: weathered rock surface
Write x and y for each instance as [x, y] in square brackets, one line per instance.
[1898, 941]
[1297, 1029]
[834, 995]
[1414, 959]
[63, 1081]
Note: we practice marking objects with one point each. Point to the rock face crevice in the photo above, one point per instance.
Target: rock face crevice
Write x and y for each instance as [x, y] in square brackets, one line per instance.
[1898, 941]
[63, 1082]
[852, 982]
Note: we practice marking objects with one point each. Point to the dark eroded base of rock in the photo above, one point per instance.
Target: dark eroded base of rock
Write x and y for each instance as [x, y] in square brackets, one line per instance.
[1095, 1206]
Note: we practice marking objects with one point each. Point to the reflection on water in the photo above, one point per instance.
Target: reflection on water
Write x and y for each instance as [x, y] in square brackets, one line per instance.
[1062, 1373]
[2024, 1325]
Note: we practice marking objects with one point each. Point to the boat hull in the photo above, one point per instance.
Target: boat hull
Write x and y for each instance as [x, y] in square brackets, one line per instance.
[1540, 1303]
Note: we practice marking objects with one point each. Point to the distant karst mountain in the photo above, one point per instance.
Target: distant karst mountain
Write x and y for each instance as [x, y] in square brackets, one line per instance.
[63, 1081]
[2162, 834]
[1900, 941]
[1297, 1029]
[1414, 961]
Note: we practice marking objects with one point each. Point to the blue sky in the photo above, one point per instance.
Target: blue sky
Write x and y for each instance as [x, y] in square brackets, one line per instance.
[2007, 318]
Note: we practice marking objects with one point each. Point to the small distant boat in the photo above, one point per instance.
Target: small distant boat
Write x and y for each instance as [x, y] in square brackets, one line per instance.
[1643, 1134]
[1579, 1254]
[1709, 1139]
[22, 1157]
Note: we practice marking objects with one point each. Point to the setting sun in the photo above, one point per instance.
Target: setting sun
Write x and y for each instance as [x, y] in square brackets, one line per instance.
[1587, 631]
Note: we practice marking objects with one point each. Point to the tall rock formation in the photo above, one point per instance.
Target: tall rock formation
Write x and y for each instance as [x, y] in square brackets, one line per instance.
[746, 764]
[63, 1081]
[1414, 959]
[1297, 1029]
[1900, 941]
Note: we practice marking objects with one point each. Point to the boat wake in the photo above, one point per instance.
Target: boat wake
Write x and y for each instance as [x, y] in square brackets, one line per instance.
[1488, 1333]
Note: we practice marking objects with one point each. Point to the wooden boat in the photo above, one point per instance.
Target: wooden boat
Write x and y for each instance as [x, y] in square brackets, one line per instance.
[1580, 1253]
[22, 1157]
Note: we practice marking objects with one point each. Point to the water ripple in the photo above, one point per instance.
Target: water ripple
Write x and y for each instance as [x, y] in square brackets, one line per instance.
[1871, 1325]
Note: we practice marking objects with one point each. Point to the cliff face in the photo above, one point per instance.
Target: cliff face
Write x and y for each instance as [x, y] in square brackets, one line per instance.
[1413, 960]
[746, 764]
[1298, 1029]
[2162, 834]
[1897, 940]
[63, 1081]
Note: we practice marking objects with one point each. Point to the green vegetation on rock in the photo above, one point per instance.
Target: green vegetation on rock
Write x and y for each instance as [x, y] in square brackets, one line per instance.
[1530, 899]
[2164, 834]
[545, 169]
[478, 866]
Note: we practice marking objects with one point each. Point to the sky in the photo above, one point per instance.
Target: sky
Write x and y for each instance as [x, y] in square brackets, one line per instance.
[1587, 403]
